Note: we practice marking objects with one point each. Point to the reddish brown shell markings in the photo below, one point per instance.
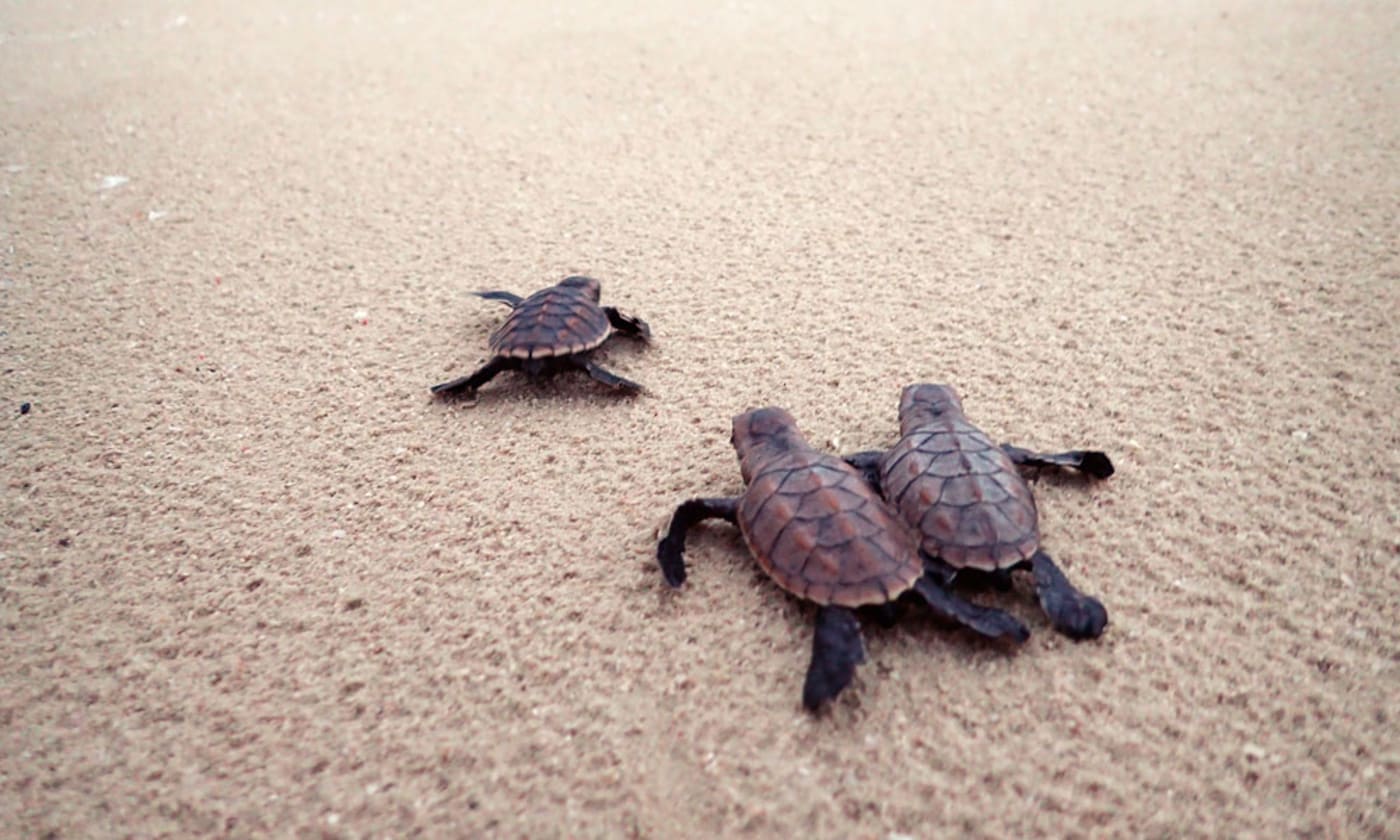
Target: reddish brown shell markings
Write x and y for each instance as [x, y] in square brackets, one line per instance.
[818, 529]
[965, 495]
[558, 321]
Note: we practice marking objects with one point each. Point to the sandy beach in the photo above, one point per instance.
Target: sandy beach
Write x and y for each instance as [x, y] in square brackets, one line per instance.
[256, 581]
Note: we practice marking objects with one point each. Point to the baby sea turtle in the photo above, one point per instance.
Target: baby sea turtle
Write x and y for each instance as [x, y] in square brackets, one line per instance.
[554, 329]
[971, 506]
[824, 535]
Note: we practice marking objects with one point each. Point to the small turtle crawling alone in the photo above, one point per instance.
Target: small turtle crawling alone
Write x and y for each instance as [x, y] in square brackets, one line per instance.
[554, 329]
[820, 532]
[971, 506]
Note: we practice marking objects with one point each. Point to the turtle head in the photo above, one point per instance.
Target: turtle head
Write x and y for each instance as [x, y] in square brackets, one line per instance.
[761, 432]
[591, 288]
[920, 405]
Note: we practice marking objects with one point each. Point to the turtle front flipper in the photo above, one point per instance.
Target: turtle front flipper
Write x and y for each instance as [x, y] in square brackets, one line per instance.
[1073, 613]
[836, 651]
[1091, 462]
[467, 385]
[670, 552]
[609, 378]
[627, 324]
[990, 622]
[867, 463]
[509, 298]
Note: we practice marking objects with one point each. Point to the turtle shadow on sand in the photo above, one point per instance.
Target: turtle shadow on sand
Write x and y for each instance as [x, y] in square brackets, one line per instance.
[554, 330]
[565, 392]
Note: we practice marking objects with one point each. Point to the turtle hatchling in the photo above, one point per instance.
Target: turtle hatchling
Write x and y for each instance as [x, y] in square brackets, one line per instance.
[823, 534]
[970, 505]
[552, 330]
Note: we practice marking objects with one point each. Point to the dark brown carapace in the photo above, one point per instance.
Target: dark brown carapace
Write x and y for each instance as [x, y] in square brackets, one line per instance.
[558, 321]
[812, 522]
[960, 489]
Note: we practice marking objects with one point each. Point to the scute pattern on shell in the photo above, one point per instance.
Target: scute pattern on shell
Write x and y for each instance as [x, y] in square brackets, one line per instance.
[557, 321]
[965, 495]
[820, 532]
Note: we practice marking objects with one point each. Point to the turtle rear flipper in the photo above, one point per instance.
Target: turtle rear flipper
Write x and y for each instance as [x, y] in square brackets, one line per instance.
[990, 622]
[836, 651]
[1091, 462]
[467, 385]
[1073, 613]
[511, 299]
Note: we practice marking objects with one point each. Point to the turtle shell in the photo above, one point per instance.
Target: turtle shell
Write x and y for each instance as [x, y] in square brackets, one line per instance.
[558, 321]
[812, 522]
[959, 489]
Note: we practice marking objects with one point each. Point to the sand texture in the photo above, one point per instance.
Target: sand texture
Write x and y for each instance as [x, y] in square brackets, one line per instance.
[257, 581]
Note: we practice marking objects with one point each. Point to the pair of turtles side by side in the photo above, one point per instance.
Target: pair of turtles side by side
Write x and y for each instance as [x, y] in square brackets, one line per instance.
[820, 527]
[823, 534]
[552, 330]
